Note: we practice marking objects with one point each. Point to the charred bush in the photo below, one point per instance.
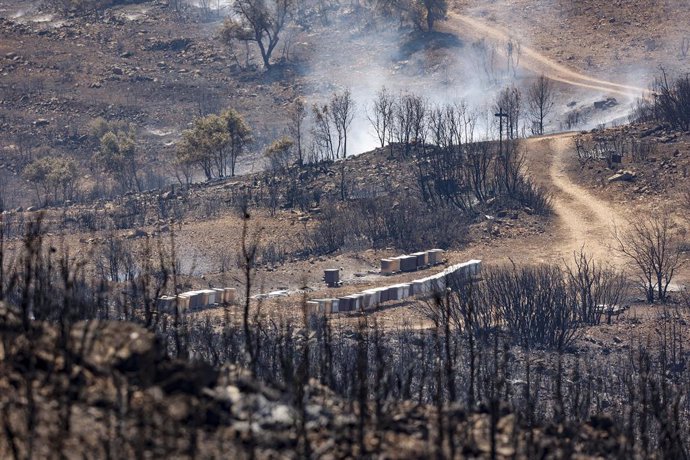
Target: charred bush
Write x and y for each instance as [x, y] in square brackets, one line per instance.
[670, 102]
[536, 305]
[406, 223]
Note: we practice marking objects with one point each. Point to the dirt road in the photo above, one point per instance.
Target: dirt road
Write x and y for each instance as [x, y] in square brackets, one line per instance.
[534, 61]
[584, 220]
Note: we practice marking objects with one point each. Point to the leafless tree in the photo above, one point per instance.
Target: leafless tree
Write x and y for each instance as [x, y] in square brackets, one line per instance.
[535, 305]
[654, 250]
[486, 53]
[381, 116]
[509, 168]
[478, 164]
[410, 119]
[419, 108]
[513, 53]
[593, 286]
[540, 102]
[343, 112]
[438, 127]
[585, 154]
[510, 101]
[403, 117]
[297, 116]
[672, 100]
[322, 134]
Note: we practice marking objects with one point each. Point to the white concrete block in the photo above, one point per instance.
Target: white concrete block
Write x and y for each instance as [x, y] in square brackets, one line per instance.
[387, 267]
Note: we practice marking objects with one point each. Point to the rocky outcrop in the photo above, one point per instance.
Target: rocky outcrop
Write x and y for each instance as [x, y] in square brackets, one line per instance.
[107, 389]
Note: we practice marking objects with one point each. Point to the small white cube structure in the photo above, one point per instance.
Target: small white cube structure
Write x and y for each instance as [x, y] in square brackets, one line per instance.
[395, 263]
[166, 304]
[408, 263]
[344, 304]
[332, 277]
[229, 295]
[182, 302]
[312, 307]
[387, 267]
[209, 297]
[422, 259]
[220, 295]
[403, 291]
[435, 256]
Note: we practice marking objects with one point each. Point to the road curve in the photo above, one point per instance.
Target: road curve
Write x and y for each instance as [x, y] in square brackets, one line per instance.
[586, 221]
[536, 62]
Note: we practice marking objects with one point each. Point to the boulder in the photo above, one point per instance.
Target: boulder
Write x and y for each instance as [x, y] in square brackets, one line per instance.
[138, 233]
[606, 103]
[623, 176]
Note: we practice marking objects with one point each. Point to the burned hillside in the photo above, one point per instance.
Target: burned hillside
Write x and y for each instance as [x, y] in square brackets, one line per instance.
[281, 229]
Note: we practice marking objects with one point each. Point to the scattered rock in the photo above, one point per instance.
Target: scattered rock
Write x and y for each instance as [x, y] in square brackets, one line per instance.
[138, 233]
[622, 176]
[606, 104]
[176, 44]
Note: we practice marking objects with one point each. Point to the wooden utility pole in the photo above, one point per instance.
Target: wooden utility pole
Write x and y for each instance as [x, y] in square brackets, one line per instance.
[501, 115]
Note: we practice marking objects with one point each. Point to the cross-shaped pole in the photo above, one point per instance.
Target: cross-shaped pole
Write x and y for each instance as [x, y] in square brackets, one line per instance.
[501, 115]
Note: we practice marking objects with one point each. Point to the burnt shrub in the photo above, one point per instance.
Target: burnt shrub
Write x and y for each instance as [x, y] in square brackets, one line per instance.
[406, 223]
[669, 102]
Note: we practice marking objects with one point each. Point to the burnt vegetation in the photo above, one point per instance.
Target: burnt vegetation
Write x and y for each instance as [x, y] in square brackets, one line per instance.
[504, 371]
[518, 363]
[669, 102]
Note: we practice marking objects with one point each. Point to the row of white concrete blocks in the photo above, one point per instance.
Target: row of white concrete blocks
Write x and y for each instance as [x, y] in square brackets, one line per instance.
[372, 298]
[411, 262]
[195, 300]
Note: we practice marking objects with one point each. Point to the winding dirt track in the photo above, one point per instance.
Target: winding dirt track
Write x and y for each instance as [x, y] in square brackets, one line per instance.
[535, 61]
[586, 222]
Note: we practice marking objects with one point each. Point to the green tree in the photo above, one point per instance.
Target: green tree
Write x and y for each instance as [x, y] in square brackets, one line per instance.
[117, 156]
[214, 143]
[280, 154]
[260, 21]
[239, 136]
[204, 144]
[54, 176]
